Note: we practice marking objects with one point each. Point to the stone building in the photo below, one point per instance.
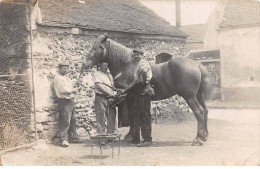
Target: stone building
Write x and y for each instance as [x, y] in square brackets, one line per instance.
[65, 31]
[196, 33]
[234, 29]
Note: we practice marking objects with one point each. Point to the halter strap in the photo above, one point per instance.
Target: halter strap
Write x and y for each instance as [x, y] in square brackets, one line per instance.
[104, 57]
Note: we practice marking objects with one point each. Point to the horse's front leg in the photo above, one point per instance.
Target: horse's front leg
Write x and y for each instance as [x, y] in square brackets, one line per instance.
[199, 114]
[129, 103]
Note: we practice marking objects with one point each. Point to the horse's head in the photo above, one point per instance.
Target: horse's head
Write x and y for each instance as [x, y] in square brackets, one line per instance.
[97, 52]
[119, 58]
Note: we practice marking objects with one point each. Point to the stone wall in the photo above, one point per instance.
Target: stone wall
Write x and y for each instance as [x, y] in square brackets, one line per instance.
[51, 48]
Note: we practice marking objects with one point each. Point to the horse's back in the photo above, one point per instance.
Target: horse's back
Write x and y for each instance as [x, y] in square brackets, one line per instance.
[183, 62]
[178, 76]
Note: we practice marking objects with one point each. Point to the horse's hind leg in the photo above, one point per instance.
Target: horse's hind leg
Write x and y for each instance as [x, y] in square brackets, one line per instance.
[202, 103]
[199, 114]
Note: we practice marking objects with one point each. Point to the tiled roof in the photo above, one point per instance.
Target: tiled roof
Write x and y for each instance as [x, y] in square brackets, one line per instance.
[241, 13]
[196, 32]
[111, 15]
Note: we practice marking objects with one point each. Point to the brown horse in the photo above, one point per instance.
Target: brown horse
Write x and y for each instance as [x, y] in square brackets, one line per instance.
[180, 75]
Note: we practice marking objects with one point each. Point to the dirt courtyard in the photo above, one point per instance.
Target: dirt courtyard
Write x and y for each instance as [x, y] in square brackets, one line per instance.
[234, 140]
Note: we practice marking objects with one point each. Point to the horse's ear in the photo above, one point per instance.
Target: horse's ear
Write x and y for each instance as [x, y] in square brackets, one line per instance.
[106, 35]
[104, 38]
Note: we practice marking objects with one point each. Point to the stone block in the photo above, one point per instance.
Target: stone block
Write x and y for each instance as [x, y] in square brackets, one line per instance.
[39, 127]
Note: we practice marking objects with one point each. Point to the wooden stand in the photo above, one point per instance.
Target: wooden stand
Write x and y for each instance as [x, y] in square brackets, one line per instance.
[106, 137]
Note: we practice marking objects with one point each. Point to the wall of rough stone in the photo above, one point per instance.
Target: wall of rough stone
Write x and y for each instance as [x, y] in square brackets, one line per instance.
[51, 48]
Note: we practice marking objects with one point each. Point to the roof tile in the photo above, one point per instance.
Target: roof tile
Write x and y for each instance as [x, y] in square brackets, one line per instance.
[196, 32]
[241, 13]
[110, 15]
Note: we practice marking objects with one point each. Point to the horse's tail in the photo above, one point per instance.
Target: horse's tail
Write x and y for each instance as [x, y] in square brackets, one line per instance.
[206, 83]
[204, 93]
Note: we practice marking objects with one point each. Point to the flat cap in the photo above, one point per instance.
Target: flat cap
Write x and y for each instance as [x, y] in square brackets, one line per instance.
[138, 50]
[63, 64]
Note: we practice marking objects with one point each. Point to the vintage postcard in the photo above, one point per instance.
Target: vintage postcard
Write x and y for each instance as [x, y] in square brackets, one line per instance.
[129, 82]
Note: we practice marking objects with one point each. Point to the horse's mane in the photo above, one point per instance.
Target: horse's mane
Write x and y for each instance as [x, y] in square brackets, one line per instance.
[119, 55]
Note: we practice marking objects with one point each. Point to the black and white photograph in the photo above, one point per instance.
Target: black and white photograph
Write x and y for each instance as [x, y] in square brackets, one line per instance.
[129, 82]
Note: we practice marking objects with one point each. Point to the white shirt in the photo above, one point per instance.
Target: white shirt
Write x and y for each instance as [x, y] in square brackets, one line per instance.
[143, 66]
[63, 86]
[103, 79]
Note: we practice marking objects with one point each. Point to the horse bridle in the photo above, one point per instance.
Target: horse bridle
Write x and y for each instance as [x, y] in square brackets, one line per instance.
[105, 55]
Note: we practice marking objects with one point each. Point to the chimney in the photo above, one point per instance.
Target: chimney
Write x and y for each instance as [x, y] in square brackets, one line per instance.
[178, 13]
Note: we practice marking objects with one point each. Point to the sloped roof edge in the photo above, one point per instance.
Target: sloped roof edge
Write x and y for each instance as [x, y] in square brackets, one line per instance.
[101, 15]
[71, 26]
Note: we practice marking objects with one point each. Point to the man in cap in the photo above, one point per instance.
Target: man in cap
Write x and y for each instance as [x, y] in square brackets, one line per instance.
[104, 92]
[140, 116]
[65, 93]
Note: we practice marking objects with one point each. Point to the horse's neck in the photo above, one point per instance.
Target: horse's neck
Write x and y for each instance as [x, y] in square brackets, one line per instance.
[119, 57]
[114, 68]
[126, 76]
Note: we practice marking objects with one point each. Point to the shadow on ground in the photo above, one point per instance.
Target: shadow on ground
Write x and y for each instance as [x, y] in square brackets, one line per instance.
[95, 157]
[154, 144]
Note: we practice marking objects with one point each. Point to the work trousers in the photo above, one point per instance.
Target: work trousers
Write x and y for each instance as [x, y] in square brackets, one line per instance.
[105, 114]
[67, 119]
[141, 118]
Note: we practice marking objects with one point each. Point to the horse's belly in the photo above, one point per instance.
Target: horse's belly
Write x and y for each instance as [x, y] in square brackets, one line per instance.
[163, 90]
[164, 87]
[163, 94]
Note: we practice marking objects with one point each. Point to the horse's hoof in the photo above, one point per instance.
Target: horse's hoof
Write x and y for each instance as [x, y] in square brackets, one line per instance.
[204, 139]
[196, 142]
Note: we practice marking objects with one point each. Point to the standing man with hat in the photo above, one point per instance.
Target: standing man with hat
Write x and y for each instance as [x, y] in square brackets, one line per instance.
[104, 92]
[140, 117]
[65, 93]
